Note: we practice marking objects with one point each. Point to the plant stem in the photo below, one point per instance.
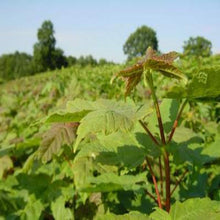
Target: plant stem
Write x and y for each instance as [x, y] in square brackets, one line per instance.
[155, 184]
[148, 193]
[157, 108]
[166, 154]
[167, 175]
[178, 182]
[160, 165]
[161, 177]
[176, 121]
[149, 132]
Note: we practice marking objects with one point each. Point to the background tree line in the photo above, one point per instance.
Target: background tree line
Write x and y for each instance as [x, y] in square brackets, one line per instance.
[46, 56]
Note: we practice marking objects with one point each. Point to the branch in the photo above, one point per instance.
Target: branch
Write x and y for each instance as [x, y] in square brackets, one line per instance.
[153, 197]
[149, 133]
[167, 175]
[161, 177]
[156, 105]
[155, 184]
[178, 182]
[176, 121]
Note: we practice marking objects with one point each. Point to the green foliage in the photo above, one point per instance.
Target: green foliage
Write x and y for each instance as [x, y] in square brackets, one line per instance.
[130, 216]
[15, 65]
[86, 60]
[138, 42]
[60, 211]
[197, 46]
[108, 177]
[109, 182]
[191, 209]
[204, 86]
[107, 117]
[71, 60]
[46, 56]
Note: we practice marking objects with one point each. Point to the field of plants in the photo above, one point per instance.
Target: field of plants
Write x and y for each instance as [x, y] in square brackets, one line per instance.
[139, 141]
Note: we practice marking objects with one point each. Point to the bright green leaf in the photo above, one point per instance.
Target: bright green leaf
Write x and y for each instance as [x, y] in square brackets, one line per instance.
[59, 210]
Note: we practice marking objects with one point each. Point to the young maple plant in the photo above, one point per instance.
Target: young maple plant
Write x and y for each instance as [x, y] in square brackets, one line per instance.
[105, 142]
[145, 68]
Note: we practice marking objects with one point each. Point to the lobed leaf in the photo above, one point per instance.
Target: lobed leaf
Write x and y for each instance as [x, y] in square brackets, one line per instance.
[112, 116]
[194, 209]
[191, 209]
[58, 135]
[59, 210]
[151, 61]
[205, 86]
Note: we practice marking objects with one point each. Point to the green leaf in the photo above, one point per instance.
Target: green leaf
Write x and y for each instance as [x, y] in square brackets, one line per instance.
[213, 149]
[29, 162]
[6, 150]
[187, 152]
[80, 105]
[82, 170]
[160, 214]
[120, 149]
[205, 86]
[32, 210]
[108, 182]
[5, 164]
[59, 210]
[67, 117]
[58, 135]
[194, 209]
[130, 216]
[112, 116]
[191, 209]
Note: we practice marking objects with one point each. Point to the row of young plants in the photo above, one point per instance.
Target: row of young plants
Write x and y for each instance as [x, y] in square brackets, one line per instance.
[110, 159]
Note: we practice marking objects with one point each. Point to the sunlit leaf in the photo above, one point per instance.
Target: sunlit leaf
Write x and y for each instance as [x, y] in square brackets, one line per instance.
[67, 117]
[111, 182]
[59, 210]
[129, 216]
[205, 86]
[111, 117]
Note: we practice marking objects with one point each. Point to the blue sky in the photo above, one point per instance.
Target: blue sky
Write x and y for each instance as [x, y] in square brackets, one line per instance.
[101, 27]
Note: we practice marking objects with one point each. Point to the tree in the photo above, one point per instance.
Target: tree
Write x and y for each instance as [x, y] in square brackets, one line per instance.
[15, 65]
[58, 59]
[138, 42]
[46, 56]
[102, 61]
[71, 60]
[197, 46]
[87, 60]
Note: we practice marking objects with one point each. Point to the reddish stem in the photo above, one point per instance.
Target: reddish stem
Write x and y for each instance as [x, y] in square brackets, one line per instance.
[155, 184]
[175, 124]
[161, 177]
[167, 175]
[160, 123]
[166, 154]
[149, 133]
